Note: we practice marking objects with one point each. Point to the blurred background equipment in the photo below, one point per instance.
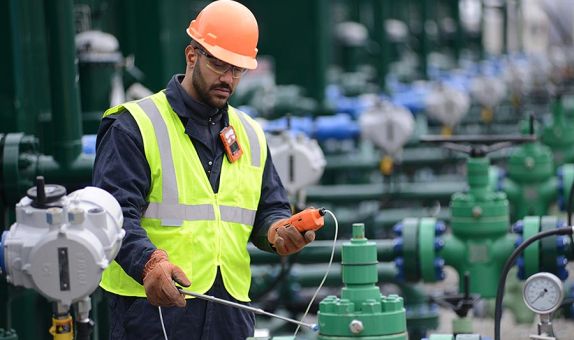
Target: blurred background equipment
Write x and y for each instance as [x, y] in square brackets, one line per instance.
[346, 92]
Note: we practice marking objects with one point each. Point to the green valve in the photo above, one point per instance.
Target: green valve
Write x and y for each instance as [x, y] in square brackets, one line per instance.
[362, 311]
[556, 135]
[530, 183]
[358, 233]
[371, 306]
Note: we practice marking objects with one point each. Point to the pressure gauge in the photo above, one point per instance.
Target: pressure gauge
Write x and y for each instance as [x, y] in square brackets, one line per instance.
[543, 293]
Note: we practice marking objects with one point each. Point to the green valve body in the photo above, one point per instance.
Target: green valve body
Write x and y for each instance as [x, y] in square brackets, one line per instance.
[480, 212]
[531, 162]
[531, 186]
[558, 135]
[362, 311]
[479, 243]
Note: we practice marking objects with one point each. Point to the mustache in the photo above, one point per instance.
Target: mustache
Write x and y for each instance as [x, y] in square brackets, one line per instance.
[221, 86]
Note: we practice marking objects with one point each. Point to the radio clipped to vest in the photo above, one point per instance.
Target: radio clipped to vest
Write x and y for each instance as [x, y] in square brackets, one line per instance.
[232, 148]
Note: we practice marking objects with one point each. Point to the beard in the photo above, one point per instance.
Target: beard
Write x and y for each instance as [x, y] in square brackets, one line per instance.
[203, 90]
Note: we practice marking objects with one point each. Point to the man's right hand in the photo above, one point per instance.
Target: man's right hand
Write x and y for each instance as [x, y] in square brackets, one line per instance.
[158, 280]
[286, 239]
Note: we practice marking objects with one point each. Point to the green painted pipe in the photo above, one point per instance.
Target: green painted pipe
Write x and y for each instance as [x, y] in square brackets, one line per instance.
[311, 277]
[459, 34]
[20, 157]
[25, 67]
[21, 163]
[424, 44]
[77, 173]
[66, 118]
[319, 252]
[382, 12]
[430, 191]
[413, 157]
[389, 217]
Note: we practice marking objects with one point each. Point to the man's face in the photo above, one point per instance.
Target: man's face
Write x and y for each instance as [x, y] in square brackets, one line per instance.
[212, 88]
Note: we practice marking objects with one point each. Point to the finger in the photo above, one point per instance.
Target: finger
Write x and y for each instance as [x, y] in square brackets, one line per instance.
[309, 236]
[172, 296]
[153, 300]
[179, 276]
[282, 242]
[180, 302]
[272, 234]
[280, 245]
[293, 237]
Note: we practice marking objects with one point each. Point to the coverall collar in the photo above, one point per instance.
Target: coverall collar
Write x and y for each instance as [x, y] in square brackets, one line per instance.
[187, 107]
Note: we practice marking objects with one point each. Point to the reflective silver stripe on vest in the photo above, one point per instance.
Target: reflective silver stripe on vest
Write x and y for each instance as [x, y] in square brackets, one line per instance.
[174, 214]
[169, 210]
[169, 185]
[237, 215]
[253, 140]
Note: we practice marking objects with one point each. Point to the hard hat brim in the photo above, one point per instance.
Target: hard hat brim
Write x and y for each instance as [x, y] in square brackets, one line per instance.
[229, 57]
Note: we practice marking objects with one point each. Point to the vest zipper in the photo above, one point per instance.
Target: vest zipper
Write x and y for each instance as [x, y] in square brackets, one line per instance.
[219, 233]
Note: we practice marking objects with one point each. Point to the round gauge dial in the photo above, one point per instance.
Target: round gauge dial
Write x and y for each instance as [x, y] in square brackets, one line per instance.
[543, 293]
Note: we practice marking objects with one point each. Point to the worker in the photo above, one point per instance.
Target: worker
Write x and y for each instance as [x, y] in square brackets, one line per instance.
[196, 183]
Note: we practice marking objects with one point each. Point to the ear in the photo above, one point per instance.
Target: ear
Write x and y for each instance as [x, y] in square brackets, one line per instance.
[190, 55]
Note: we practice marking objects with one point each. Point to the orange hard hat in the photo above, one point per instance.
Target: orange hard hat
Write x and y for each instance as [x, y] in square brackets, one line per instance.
[228, 30]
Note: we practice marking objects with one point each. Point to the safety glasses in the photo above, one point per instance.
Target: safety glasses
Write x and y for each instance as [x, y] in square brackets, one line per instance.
[221, 67]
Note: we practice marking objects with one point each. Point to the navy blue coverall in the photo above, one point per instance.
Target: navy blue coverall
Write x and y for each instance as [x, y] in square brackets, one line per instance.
[122, 169]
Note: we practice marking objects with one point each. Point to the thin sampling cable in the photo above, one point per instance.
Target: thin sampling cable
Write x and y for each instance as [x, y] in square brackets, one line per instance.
[326, 272]
[260, 311]
[162, 324]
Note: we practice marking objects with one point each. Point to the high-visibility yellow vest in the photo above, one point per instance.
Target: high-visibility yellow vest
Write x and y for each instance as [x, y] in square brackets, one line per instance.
[199, 229]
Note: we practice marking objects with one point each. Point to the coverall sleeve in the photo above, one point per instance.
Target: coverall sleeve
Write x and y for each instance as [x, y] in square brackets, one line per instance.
[273, 205]
[121, 169]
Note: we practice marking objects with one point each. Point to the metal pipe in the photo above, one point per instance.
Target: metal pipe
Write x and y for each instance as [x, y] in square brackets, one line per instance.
[66, 120]
[314, 327]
